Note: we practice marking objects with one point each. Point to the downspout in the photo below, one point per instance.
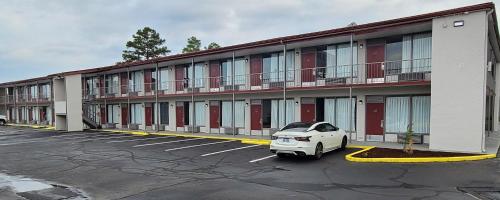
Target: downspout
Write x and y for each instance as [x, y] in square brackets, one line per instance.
[284, 84]
[232, 104]
[193, 123]
[157, 110]
[483, 136]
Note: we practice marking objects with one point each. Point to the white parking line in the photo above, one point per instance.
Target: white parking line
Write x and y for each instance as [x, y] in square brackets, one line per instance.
[199, 145]
[259, 159]
[118, 141]
[175, 141]
[108, 138]
[228, 150]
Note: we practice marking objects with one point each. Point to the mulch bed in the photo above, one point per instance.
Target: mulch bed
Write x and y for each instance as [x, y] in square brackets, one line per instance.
[398, 153]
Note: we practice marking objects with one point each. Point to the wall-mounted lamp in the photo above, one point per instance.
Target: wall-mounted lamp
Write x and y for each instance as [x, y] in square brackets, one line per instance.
[360, 101]
[297, 53]
[206, 105]
[360, 46]
[246, 60]
[296, 102]
[246, 103]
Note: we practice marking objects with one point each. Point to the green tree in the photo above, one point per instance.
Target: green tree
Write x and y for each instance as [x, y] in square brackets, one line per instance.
[212, 45]
[145, 44]
[193, 44]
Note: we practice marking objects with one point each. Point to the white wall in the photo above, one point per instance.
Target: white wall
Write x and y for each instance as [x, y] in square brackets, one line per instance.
[458, 83]
[74, 102]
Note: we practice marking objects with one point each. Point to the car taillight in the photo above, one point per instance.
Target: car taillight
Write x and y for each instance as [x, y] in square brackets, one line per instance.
[274, 137]
[303, 139]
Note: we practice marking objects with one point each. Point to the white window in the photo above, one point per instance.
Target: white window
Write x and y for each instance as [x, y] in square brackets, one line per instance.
[164, 73]
[136, 114]
[417, 52]
[113, 114]
[136, 81]
[281, 116]
[112, 84]
[239, 72]
[199, 112]
[227, 114]
[199, 75]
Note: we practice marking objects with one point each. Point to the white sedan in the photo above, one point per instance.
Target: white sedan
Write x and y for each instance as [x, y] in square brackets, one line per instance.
[303, 139]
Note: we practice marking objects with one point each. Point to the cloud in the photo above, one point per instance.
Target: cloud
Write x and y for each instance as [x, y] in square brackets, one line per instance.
[42, 37]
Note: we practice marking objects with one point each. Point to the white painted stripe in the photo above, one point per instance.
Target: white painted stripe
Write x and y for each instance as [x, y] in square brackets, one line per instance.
[257, 160]
[108, 138]
[118, 141]
[199, 145]
[228, 150]
[175, 141]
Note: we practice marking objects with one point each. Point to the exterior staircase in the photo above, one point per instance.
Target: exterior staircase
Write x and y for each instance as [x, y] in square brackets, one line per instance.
[89, 116]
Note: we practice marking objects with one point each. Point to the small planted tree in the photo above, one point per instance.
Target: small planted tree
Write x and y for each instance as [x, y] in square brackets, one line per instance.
[408, 145]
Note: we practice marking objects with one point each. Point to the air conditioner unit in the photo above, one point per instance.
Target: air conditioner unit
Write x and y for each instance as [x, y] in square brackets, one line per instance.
[192, 129]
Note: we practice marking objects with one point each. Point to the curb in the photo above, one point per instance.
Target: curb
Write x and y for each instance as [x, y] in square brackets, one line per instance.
[350, 157]
[243, 140]
[33, 126]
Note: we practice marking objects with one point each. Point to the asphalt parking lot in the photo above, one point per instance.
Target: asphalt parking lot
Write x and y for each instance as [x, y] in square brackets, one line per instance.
[118, 166]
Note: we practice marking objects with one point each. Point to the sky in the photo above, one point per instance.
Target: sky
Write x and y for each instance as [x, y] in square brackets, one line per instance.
[38, 38]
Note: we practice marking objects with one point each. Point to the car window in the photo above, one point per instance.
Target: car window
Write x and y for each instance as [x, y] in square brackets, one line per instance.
[330, 127]
[297, 126]
[320, 128]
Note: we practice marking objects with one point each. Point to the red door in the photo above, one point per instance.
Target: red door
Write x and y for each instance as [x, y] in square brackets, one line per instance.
[124, 115]
[214, 74]
[214, 114]
[374, 117]
[256, 70]
[374, 59]
[149, 115]
[103, 115]
[147, 81]
[179, 78]
[101, 86]
[308, 65]
[308, 110]
[179, 114]
[124, 82]
[256, 117]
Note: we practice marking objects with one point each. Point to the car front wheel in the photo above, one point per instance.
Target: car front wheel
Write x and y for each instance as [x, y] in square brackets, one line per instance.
[319, 151]
[2, 122]
[344, 143]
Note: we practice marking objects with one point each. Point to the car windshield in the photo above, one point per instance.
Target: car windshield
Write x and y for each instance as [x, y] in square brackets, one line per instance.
[297, 126]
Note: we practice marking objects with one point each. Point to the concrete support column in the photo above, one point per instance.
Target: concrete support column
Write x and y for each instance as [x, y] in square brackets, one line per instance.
[360, 117]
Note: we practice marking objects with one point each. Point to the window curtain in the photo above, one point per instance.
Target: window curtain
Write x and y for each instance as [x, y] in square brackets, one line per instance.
[199, 113]
[344, 60]
[136, 82]
[227, 72]
[330, 61]
[422, 52]
[274, 114]
[342, 113]
[239, 72]
[136, 113]
[239, 116]
[330, 111]
[109, 113]
[421, 113]
[290, 65]
[199, 75]
[289, 112]
[49, 115]
[164, 79]
[226, 114]
[275, 67]
[417, 51]
[397, 113]
[406, 54]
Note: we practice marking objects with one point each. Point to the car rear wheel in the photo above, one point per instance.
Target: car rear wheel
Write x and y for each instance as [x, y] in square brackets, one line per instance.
[319, 151]
[344, 143]
[281, 155]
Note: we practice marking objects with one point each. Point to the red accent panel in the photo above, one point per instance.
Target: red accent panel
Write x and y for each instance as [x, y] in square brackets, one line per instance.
[179, 78]
[103, 115]
[179, 116]
[375, 55]
[308, 113]
[214, 116]
[308, 60]
[124, 83]
[214, 74]
[147, 81]
[101, 86]
[256, 117]
[374, 117]
[30, 114]
[124, 115]
[149, 116]
[256, 70]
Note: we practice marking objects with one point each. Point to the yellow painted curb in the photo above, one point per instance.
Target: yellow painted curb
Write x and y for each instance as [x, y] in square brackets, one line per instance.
[46, 127]
[256, 141]
[350, 157]
[128, 132]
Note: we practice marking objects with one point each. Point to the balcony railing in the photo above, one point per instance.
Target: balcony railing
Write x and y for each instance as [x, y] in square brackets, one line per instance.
[389, 72]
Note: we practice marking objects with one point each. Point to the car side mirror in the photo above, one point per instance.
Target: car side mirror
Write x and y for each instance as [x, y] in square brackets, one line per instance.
[335, 128]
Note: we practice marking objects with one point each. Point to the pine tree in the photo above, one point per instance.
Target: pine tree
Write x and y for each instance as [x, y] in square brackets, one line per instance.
[193, 44]
[146, 44]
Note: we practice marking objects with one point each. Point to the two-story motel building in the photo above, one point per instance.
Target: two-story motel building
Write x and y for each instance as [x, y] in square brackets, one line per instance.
[434, 73]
